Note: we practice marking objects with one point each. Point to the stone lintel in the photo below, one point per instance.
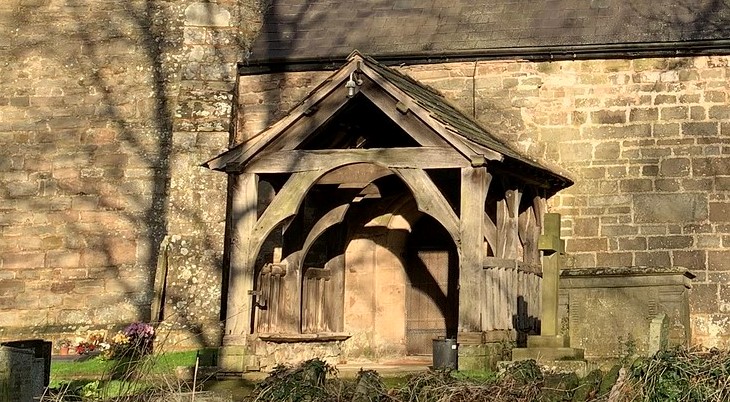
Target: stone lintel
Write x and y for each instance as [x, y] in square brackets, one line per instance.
[547, 354]
[547, 341]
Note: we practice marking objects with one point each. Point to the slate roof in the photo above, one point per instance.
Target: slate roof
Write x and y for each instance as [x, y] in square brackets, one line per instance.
[460, 123]
[330, 29]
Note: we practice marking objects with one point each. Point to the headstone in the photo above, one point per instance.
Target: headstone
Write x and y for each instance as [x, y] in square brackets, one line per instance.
[550, 348]
[553, 248]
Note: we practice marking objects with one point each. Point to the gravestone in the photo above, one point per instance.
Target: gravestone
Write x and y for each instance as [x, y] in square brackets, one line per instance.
[550, 347]
[623, 304]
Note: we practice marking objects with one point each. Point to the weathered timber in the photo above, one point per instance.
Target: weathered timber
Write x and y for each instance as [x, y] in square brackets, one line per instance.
[430, 200]
[471, 249]
[158, 297]
[357, 175]
[425, 115]
[490, 232]
[335, 308]
[410, 123]
[288, 161]
[529, 232]
[284, 205]
[507, 231]
[241, 265]
[294, 337]
[331, 218]
[243, 151]
[294, 135]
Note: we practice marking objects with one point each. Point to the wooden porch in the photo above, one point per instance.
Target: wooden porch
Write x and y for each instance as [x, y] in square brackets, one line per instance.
[374, 206]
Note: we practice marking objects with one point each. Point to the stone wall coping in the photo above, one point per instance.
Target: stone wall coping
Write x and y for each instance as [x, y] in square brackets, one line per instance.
[293, 338]
[612, 277]
[626, 271]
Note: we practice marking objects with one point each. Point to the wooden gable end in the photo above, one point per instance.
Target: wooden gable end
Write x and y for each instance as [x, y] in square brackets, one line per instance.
[292, 145]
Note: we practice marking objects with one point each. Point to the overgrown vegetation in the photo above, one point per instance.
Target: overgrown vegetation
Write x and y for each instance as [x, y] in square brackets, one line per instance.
[680, 375]
[676, 375]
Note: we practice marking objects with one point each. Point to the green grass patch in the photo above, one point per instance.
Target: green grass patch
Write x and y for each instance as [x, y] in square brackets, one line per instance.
[94, 368]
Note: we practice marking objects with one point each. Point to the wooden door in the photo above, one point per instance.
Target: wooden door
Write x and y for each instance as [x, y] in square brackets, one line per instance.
[429, 304]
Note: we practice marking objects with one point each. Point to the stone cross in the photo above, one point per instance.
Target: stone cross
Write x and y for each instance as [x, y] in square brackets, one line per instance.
[553, 249]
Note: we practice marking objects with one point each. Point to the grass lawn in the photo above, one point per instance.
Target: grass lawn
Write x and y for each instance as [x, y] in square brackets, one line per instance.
[95, 368]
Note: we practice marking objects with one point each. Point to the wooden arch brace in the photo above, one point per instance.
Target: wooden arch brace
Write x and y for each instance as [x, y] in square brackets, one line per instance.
[285, 205]
[331, 218]
[430, 200]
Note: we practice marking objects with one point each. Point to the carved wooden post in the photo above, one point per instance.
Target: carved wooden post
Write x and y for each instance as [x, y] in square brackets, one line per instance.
[474, 182]
[241, 273]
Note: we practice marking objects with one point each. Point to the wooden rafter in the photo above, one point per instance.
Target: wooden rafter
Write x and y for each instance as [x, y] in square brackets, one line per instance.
[425, 115]
[242, 152]
[410, 123]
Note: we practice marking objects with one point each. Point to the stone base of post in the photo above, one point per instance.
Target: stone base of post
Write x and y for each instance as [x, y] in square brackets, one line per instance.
[548, 341]
[237, 356]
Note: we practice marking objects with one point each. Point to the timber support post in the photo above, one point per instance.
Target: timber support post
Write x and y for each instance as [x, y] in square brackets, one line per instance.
[471, 251]
[235, 352]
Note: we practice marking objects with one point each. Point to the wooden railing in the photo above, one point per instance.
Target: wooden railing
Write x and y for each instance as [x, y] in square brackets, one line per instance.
[512, 296]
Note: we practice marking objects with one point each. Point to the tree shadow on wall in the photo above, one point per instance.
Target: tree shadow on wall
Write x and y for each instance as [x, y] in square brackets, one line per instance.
[97, 86]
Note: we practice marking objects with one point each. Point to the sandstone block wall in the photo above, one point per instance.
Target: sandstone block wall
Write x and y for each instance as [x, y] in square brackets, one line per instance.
[646, 141]
[107, 110]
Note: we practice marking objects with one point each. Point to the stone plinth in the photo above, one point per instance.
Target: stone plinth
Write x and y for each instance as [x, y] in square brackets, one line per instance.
[610, 310]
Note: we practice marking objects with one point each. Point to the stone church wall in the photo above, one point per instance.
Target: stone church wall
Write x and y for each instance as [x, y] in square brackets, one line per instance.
[107, 111]
[646, 141]
[108, 108]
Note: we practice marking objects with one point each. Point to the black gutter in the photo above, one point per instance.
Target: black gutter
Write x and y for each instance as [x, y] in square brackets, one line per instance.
[530, 53]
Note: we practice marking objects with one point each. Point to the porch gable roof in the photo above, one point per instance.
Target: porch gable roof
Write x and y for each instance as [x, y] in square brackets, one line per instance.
[456, 129]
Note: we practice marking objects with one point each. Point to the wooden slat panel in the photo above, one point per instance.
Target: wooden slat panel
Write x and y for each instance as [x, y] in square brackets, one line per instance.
[303, 160]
